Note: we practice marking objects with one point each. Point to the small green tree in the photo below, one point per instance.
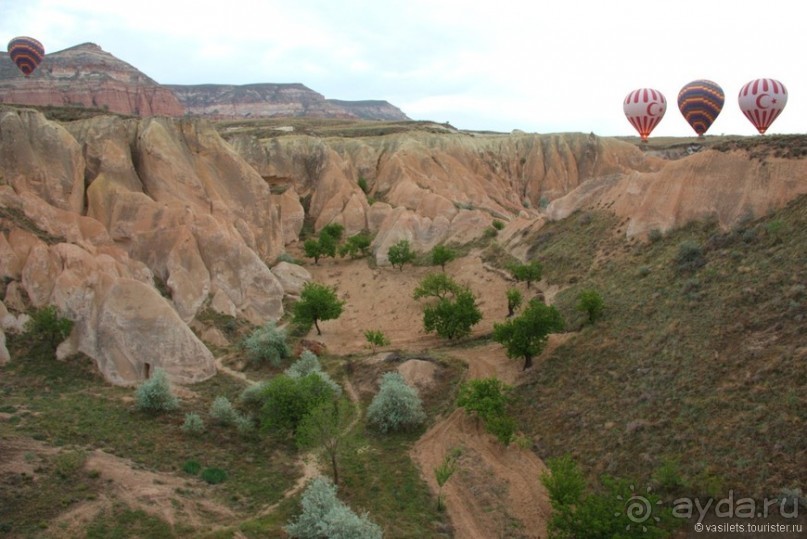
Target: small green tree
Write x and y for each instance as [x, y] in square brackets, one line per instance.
[356, 246]
[285, 401]
[317, 302]
[514, 300]
[528, 272]
[444, 472]
[590, 302]
[326, 426]
[376, 338]
[325, 244]
[324, 515]
[400, 253]
[48, 327]
[154, 395]
[442, 255]
[487, 399]
[396, 406]
[267, 343]
[453, 317]
[436, 285]
[526, 335]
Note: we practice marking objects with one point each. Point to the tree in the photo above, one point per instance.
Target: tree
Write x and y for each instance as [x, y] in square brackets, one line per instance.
[396, 406]
[325, 244]
[487, 399]
[333, 230]
[526, 335]
[400, 253]
[317, 302]
[356, 246]
[528, 272]
[376, 337]
[436, 285]
[442, 255]
[48, 327]
[514, 300]
[590, 301]
[312, 249]
[154, 395]
[452, 317]
[267, 343]
[326, 426]
[324, 515]
[285, 401]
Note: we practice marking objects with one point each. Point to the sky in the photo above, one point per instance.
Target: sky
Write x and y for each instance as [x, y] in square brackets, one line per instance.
[540, 67]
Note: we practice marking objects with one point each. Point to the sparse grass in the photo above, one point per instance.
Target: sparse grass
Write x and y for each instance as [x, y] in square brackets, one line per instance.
[692, 377]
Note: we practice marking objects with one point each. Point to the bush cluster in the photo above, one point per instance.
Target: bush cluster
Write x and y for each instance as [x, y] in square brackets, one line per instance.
[396, 406]
[324, 515]
[268, 343]
[154, 395]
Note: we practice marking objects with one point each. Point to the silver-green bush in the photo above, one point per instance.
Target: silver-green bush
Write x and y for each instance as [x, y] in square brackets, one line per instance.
[267, 343]
[324, 515]
[309, 363]
[193, 424]
[154, 395]
[222, 411]
[396, 406]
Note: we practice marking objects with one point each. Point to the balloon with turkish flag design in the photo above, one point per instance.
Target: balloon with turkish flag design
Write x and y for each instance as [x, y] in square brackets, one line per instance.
[762, 101]
[644, 109]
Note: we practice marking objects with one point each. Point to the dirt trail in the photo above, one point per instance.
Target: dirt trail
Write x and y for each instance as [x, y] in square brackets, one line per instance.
[496, 491]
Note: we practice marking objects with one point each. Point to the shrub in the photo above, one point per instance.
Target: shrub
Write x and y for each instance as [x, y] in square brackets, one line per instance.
[47, 326]
[244, 425]
[436, 285]
[376, 338]
[590, 302]
[251, 397]
[214, 476]
[565, 484]
[324, 515]
[363, 185]
[356, 246]
[154, 395]
[654, 235]
[689, 257]
[498, 225]
[267, 343]
[222, 411]
[193, 424]
[309, 364]
[286, 401]
[400, 253]
[488, 398]
[396, 406]
[191, 467]
[514, 300]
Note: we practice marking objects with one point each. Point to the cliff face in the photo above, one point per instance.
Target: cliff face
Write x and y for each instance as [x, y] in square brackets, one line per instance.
[135, 227]
[263, 100]
[88, 76]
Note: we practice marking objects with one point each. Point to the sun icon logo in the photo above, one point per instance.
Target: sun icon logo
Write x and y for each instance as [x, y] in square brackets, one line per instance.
[638, 508]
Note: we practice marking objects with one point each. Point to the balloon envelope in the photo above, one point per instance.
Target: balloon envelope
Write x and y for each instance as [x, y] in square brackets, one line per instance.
[762, 100]
[26, 52]
[644, 109]
[700, 102]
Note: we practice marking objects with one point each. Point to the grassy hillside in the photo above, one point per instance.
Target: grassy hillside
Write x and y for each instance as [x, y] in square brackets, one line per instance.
[696, 373]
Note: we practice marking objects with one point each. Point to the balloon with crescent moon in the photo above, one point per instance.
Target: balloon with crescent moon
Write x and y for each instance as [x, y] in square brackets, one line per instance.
[644, 109]
[700, 102]
[762, 101]
[26, 52]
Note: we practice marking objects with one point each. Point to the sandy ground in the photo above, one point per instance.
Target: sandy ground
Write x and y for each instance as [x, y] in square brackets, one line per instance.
[496, 491]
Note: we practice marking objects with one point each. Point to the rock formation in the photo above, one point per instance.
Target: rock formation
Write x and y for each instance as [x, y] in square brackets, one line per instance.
[87, 76]
[268, 99]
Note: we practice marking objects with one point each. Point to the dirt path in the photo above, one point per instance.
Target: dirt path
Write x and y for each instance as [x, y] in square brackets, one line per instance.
[496, 491]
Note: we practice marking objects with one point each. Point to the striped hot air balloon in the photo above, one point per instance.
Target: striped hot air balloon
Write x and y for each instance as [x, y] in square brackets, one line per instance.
[644, 109]
[26, 52]
[700, 102]
[762, 100]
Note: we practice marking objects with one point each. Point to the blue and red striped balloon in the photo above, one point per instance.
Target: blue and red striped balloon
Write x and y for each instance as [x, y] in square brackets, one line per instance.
[26, 52]
[700, 102]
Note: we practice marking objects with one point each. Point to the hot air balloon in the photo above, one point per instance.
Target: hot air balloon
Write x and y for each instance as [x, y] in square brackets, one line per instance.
[645, 108]
[26, 52]
[762, 100]
[700, 102]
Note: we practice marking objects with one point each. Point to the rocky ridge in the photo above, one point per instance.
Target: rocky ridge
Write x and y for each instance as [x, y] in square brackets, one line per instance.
[134, 228]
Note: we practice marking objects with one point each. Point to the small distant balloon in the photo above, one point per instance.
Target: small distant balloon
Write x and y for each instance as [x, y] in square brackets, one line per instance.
[644, 109]
[700, 102]
[26, 52]
[762, 101]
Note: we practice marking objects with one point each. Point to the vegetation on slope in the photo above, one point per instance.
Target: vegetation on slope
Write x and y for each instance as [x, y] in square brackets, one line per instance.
[696, 366]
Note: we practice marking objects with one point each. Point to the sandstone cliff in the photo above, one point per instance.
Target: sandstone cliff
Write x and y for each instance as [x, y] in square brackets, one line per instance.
[267, 99]
[133, 227]
[88, 76]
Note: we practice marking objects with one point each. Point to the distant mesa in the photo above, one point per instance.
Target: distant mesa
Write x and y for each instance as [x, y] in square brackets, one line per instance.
[85, 75]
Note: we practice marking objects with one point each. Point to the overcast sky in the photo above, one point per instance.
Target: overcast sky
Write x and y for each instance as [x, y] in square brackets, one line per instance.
[499, 65]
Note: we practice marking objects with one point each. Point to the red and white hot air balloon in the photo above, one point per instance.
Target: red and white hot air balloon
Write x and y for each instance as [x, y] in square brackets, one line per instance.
[644, 109]
[762, 100]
